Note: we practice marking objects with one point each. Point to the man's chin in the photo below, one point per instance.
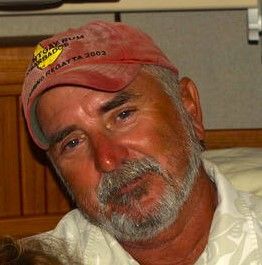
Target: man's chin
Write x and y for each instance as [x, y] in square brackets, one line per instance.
[139, 199]
[133, 228]
[141, 220]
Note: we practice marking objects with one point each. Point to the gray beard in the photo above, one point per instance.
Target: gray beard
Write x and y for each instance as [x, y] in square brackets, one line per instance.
[127, 228]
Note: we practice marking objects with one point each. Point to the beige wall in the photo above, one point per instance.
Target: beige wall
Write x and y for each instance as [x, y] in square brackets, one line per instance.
[36, 25]
[208, 46]
[211, 48]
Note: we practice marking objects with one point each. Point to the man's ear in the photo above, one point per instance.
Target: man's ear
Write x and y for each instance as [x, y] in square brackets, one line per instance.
[191, 102]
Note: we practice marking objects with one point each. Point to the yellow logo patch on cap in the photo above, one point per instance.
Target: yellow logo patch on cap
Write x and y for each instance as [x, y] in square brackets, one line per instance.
[44, 57]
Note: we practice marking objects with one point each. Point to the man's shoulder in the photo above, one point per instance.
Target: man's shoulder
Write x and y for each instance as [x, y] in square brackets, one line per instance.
[238, 203]
[90, 241]
[71, 226]
[74, 216]
[241, 166]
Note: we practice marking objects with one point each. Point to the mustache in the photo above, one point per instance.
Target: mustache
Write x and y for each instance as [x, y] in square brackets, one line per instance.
[130, 170]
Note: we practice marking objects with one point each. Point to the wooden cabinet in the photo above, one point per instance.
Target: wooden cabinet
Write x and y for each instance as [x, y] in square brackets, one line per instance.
[30, 198]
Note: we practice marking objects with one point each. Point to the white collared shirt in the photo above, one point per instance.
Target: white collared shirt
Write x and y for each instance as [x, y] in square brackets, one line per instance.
[235, 236]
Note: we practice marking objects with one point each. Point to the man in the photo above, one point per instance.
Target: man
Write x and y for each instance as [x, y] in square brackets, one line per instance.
[124, 136]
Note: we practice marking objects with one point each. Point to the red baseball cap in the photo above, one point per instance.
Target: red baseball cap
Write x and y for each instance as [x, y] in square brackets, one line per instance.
[101, 55]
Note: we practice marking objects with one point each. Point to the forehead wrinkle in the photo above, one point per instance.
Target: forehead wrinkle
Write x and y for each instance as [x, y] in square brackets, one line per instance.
[120, 99]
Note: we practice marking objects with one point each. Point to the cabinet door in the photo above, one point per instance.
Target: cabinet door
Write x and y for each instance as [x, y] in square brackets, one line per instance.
[10, 192]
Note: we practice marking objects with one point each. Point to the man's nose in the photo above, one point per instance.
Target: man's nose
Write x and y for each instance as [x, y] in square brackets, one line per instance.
[109, 154]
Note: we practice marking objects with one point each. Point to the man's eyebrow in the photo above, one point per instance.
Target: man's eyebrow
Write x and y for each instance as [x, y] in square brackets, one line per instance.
[117, 101]
[58, 136]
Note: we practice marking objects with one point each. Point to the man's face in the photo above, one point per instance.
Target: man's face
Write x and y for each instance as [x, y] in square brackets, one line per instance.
[124, 155]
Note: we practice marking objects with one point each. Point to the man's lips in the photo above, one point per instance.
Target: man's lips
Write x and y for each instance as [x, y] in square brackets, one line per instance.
[128, 187]
[131, 190]
[134, 189]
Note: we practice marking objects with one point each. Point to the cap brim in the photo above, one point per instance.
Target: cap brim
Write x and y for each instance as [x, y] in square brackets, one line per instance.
[104, 77]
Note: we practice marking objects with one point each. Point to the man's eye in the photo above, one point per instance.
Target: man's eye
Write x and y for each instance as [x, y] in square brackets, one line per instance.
[71, 144]
[125, 114]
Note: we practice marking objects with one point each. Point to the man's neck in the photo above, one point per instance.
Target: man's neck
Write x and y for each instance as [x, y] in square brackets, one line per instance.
[184, 241]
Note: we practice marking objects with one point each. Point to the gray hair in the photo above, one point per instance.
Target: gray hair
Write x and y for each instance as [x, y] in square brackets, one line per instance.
[170, 84]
